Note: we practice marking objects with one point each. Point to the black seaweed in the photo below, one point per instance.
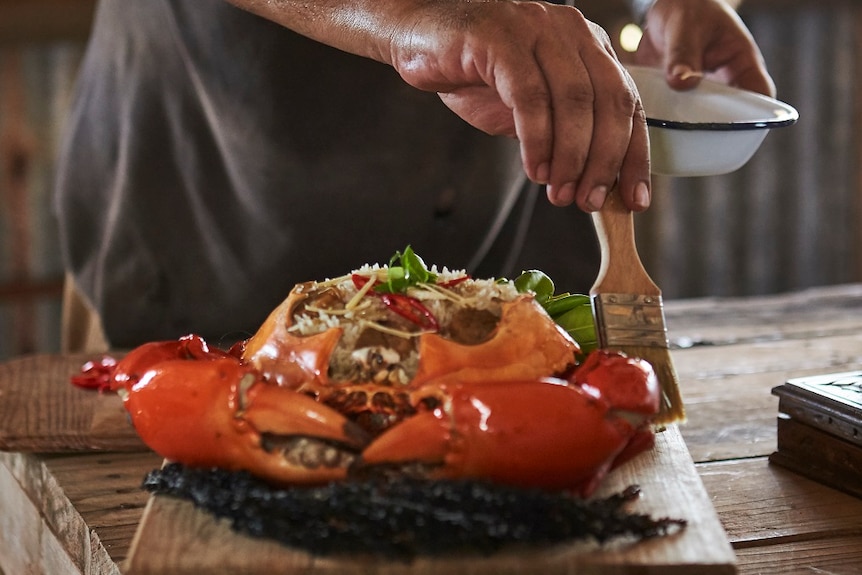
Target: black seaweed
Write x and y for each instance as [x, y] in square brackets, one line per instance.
[406, 517]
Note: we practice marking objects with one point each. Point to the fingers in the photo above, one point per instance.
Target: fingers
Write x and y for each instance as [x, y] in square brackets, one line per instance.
[617, 146]
[525, 90]
[683, 47]
[755, 78]
[551, 96]
[619, 153]
[634, 188]
[593, 129]
[546, 75]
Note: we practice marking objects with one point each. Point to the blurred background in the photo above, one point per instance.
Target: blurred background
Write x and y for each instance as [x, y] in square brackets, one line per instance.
[786, 221]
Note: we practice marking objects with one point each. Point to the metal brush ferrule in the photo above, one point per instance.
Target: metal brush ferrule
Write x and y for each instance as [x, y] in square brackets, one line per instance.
[629, 320]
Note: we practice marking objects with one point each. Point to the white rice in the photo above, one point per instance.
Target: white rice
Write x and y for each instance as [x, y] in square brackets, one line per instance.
[348, 363]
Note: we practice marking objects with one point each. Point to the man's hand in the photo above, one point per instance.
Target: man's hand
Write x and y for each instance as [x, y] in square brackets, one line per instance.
[540, 73]
[693, 38]
[535, 71]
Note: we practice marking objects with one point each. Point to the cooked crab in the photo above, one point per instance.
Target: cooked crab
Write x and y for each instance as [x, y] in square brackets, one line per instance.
[451, 377]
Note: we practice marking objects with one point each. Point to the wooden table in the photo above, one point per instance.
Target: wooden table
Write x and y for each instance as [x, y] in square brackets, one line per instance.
[77, 513]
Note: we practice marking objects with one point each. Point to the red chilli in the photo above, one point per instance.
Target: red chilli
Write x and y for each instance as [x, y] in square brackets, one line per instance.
[454, 282]
[407, 307]
[411, 309]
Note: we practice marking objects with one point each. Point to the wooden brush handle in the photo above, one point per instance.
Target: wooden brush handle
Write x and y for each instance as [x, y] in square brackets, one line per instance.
[621, 270]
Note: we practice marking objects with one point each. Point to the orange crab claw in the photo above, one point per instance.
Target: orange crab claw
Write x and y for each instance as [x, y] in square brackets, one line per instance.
[221, 413]
[138, 361]
[532, 433]
[628, 384]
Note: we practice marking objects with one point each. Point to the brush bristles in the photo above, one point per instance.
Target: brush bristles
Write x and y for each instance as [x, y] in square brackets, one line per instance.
[672, 409]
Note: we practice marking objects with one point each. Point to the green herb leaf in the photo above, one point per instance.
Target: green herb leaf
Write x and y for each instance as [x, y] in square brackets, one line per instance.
[406, 269]
[560, 304]
[578, 322]
[537, 282]
[572, 312]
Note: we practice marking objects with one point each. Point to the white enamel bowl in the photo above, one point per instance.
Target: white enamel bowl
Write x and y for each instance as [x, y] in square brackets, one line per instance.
[712, 129]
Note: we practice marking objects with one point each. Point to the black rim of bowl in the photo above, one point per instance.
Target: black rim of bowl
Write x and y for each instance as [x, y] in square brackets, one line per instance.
[722, 126]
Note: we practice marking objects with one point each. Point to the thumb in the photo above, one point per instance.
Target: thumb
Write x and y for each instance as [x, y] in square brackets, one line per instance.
[682, 75]
[683, 64]
[683, 60]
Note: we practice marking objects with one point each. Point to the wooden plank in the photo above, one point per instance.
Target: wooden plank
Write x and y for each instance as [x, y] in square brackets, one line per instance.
[760, 504]
[782, 523]
[20, 525]
[839, 556]
[709, 380]
[41, 411]
[176, 537]
[711, 433]
[804, 356]
[105, 488]
[805, 314]
[764, 509]
[41, 530]
[78, 512]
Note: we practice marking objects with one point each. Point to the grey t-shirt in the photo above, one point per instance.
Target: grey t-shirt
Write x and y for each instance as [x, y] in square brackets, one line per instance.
[214, 159]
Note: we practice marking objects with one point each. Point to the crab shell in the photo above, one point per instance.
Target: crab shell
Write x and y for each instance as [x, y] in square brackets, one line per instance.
[526, 344]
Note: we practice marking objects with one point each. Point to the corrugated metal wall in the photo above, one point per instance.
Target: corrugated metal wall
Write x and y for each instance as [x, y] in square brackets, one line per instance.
[788, 220]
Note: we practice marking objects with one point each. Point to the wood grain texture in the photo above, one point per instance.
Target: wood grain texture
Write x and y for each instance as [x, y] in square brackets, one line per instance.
[781, 523]
[802, 315]
[621, 269]
[762, 504]
[830, 556]
[176, 537]
[40, 529]
[709, 379]
[106, 491]
[739, 349]
[41, 411]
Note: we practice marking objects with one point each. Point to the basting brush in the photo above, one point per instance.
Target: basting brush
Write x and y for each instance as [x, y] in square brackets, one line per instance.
[627, 304]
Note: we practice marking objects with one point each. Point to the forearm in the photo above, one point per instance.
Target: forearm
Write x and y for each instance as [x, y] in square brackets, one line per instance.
[362, 27]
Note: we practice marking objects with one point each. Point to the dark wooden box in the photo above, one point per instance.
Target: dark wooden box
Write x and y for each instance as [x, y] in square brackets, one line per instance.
[820, 429]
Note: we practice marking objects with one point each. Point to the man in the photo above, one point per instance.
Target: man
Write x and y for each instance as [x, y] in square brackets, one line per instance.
[217, 154]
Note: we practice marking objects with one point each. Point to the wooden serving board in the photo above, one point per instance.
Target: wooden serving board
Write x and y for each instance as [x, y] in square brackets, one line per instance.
[175, 537]
[41, 411]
